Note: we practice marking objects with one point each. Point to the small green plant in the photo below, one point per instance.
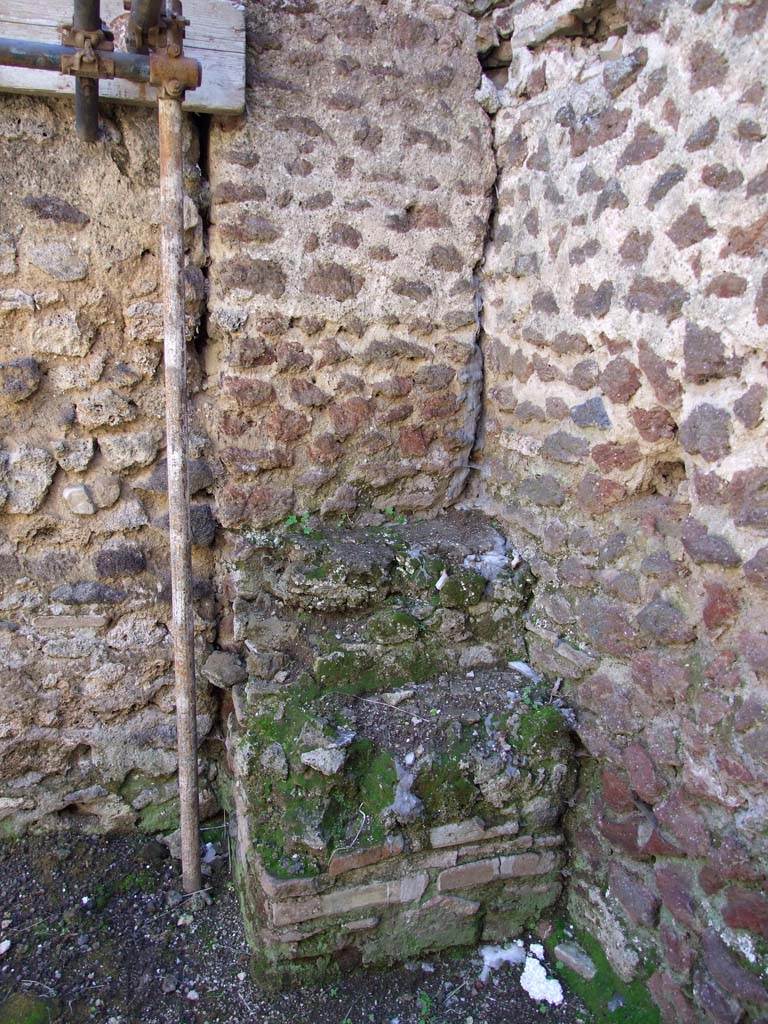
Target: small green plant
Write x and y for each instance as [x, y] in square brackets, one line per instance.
[527, 696]
[425, 1003]
[299, 522]
[395, 517]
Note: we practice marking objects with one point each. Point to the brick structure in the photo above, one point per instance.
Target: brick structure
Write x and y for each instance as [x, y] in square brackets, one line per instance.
[398, 781]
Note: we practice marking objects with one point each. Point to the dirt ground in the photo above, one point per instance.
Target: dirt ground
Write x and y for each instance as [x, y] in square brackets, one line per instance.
[99, 931]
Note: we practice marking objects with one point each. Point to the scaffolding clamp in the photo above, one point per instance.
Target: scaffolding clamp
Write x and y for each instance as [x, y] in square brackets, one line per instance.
[173, 75]
[169, 70]
[94, 48]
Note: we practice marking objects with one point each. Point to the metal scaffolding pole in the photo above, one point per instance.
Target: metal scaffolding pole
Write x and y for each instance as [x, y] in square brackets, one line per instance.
[87, 18]
[166, 67]
[177, 431]
[21, 53]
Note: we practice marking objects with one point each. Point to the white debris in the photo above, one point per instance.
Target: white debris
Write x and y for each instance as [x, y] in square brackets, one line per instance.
[496, 956]
[538, 986]
[193, 996]
[5, 945]
[442, 581]
[489, 563]
[525, 670]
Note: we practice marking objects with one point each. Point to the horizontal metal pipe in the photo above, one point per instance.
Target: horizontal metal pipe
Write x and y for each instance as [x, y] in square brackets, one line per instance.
[20, 53]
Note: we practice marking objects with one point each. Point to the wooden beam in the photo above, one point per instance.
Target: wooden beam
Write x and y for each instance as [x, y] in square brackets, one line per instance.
[215, 37]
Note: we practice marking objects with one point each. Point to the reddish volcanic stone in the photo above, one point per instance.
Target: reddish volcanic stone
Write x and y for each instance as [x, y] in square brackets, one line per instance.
[678, 948]
[640, 903]
[683, 822]
[670, 999]
[657, 370]
[660, 676]
[674, 884]
[729, 973]
[721, 606]
[746, 909]
[616, 791]
[642, 774]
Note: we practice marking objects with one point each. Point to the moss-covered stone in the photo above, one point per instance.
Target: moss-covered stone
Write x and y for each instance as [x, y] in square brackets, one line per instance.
[361, 670]
[446, 790]
[463, 589]
[435, 926]
[636, 1006]
[160, 817]
[392, 626]
[541, 728]
[359, 613]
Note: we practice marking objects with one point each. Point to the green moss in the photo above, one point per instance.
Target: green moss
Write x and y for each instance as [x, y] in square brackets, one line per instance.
[21, 1008]
[365, 789]
[358, 671]
[348, 670]
[9, 829]
[509, 914]
[281, 975]
[637, 1008]
[445, 790]
[160, 817]
[463, 589]
[319, 572]
[392, 625]
[427, 931]
[376, 778]
[415, 574]
[540, 728]
[285, 809]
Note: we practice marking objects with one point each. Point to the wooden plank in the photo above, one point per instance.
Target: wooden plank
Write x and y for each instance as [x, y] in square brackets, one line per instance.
[215, 37]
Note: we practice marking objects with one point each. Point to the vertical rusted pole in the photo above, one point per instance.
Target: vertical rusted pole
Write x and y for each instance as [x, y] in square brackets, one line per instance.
[172, 257]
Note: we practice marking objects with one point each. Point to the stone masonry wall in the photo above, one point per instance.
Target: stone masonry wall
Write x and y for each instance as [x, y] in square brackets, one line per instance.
[86, 696]
[508, 255]
[349, 210]
[624, 445]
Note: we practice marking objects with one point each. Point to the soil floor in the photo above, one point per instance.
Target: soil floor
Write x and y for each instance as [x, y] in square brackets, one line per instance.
[99, 931]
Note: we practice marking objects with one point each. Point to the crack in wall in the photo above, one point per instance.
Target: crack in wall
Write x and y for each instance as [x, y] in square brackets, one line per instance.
[477, 397]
